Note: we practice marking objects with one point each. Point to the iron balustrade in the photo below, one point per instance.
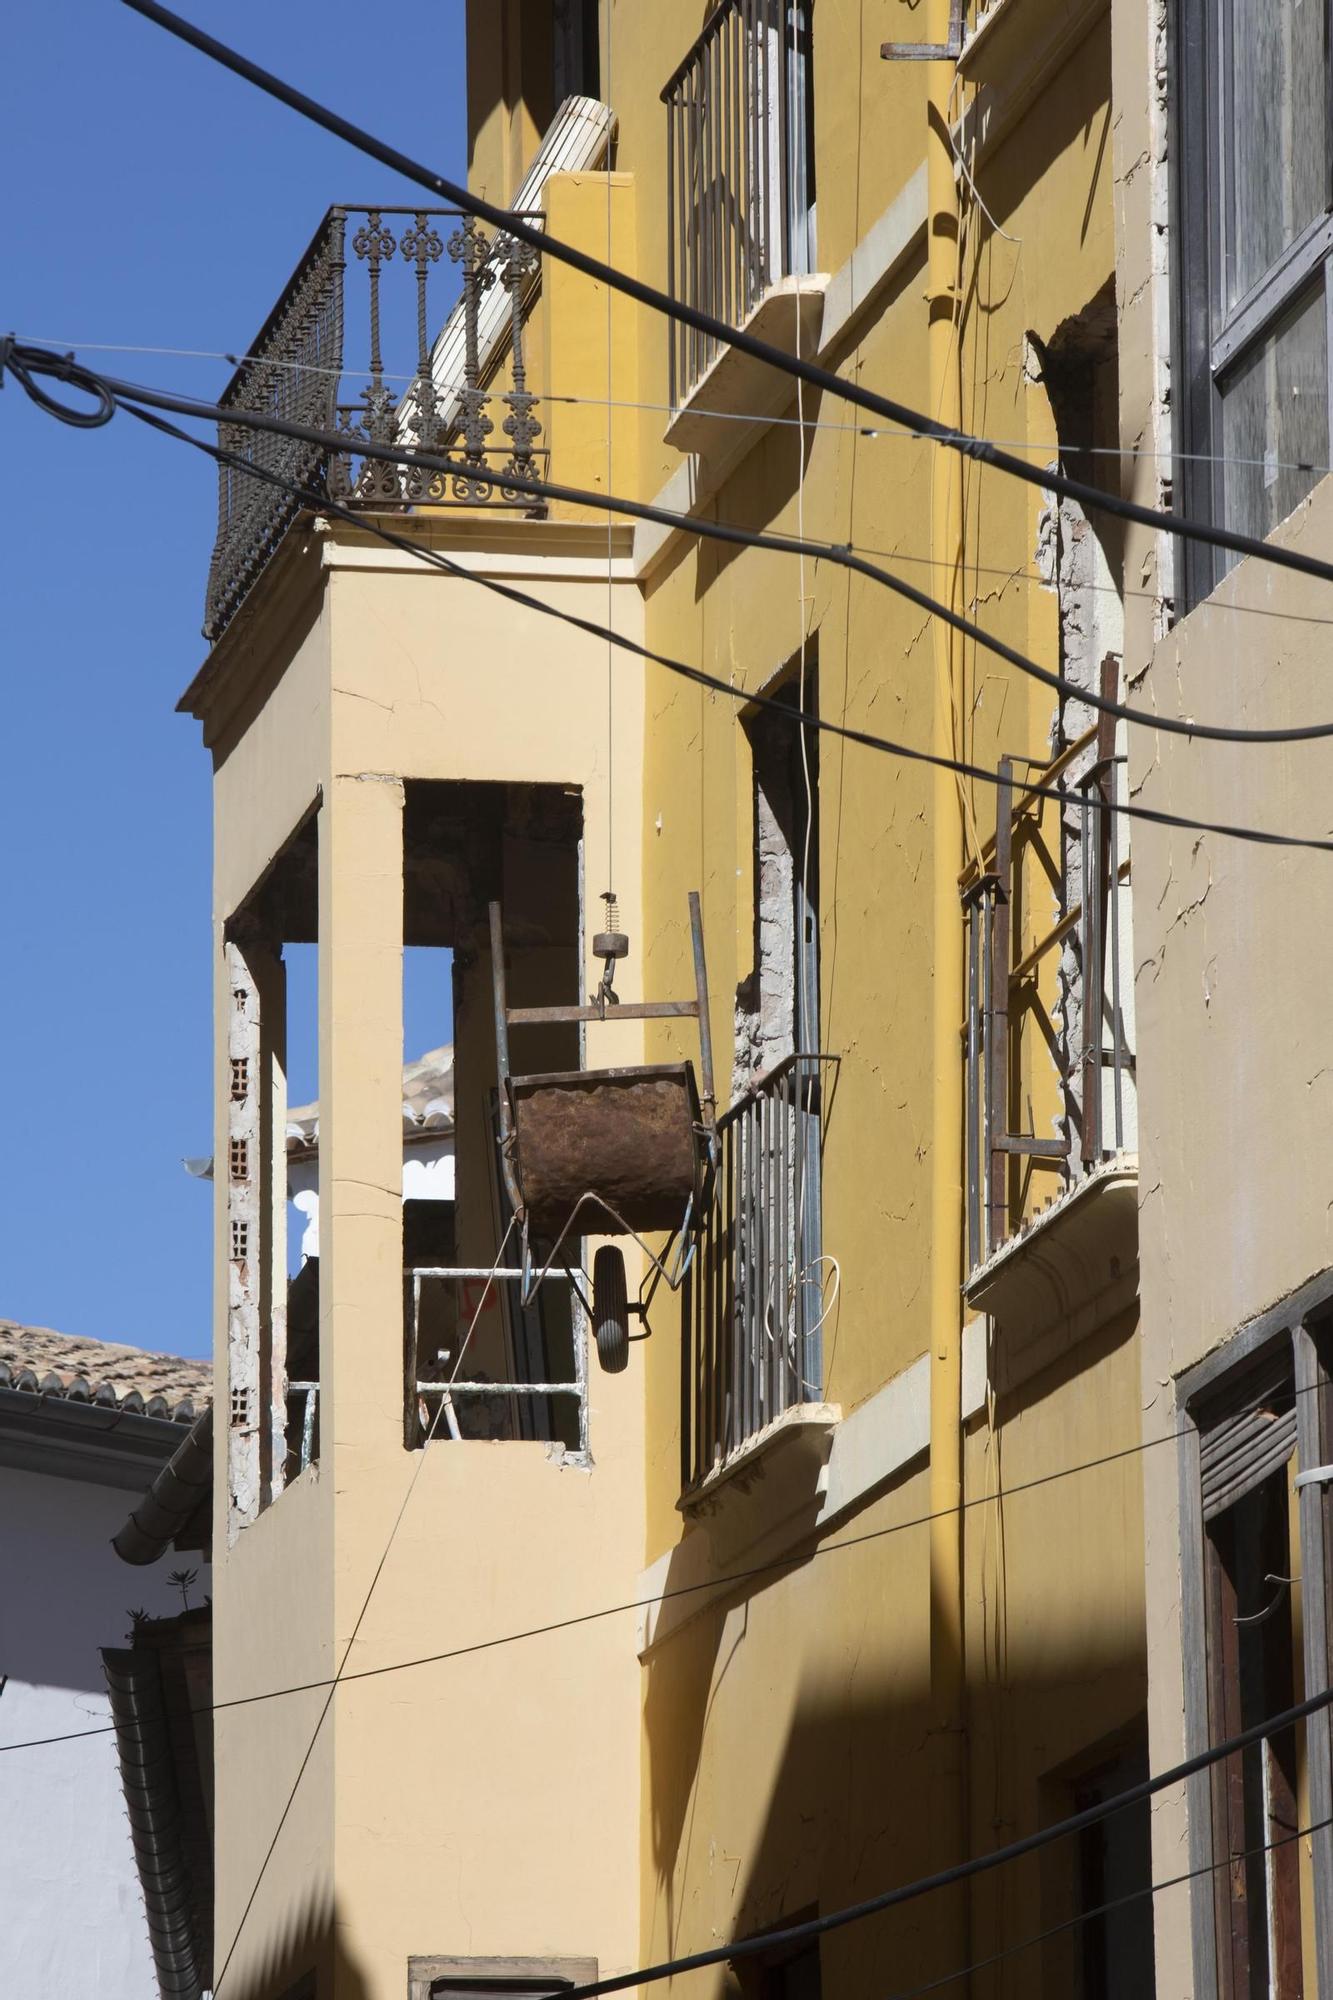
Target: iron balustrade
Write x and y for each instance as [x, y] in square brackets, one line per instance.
[295, 370]
[1076, 1057]
[754, 1301]
[490, 1409]
[740, 168]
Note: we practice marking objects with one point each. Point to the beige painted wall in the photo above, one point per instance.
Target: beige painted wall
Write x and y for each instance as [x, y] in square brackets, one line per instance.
[1236, 1142]
[435, 1815]
[779, 1749]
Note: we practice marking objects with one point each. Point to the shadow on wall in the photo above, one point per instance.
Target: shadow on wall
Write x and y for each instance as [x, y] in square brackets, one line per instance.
[306, 1958]
[846, 1813]
[64, 1591]
[796, 1765]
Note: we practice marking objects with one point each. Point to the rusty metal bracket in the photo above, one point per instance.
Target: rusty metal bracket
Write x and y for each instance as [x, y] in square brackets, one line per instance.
[929, 51]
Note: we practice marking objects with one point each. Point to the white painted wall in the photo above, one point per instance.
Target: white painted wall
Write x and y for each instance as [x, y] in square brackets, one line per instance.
[428, 1175]
[71, 1913]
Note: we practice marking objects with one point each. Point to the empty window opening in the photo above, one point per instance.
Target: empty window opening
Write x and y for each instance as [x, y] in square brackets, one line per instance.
[272, 1056]
[479, 1361]
[793, 1973]
[1095, 1909]
[575, 55]
[755, 1303]
[777, 1005]
[300, 961]
[1081, 556]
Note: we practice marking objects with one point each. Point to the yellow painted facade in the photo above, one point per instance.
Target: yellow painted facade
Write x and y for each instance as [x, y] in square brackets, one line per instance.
[905, 1619]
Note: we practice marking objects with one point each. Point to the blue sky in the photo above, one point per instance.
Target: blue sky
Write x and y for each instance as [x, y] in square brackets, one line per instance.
[150, 200]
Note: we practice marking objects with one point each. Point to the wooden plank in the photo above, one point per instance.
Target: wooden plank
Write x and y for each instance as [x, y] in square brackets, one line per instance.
[624, 1010]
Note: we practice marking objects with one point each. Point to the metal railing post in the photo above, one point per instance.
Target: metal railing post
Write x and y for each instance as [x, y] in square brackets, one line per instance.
[997, 1027]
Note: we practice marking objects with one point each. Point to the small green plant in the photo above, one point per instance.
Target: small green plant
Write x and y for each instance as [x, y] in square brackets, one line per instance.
[183, 1578]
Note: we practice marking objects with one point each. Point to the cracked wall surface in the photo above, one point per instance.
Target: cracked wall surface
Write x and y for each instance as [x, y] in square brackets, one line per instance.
[1232, 956]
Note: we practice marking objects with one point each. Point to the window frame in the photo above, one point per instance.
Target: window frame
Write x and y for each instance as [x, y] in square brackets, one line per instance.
[740, 143]
[504, 1978]
[1303, 1323]
[1210, 339]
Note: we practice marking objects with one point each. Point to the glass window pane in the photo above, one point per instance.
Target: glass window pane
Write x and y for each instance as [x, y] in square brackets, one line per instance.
[1275, 416]
[1275, 140]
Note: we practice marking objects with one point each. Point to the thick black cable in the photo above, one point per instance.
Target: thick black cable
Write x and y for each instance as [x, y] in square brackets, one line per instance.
[28, 364]
[888, 1899]
[866, 739]
[1104, 1909]
[841, 554]
[961, 1871]
[720, 1584]
[914, 421]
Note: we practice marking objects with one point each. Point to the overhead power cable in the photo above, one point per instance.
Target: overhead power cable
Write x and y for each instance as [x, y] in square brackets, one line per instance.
[1124, 1902]
[915, 422]
[895, 433]
[789, 1935]
[29, 364]
[728, 1580]
[436, 559]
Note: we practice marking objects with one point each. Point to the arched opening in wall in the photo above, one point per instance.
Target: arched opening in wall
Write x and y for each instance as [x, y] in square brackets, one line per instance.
[484, 1357]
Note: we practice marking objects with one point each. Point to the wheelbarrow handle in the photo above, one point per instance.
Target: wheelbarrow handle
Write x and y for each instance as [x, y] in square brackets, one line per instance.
[708, 1096]
[501, 1015]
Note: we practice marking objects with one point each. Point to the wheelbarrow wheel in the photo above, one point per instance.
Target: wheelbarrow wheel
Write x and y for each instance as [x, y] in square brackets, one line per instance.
[610, 1308]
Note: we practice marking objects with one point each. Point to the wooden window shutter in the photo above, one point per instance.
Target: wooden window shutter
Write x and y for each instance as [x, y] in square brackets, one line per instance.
[1251, 1434]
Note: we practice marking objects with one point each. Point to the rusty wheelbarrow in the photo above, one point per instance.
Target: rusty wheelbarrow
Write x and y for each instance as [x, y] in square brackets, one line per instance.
[607, 1152]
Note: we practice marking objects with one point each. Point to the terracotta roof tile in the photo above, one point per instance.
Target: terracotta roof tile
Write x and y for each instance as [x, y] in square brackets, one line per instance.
[41, 1361]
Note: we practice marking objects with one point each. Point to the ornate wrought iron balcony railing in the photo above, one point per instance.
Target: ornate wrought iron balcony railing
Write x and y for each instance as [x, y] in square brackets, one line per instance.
[295, 369]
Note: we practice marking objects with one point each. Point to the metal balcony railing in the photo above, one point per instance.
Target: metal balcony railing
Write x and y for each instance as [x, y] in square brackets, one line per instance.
[450, 1396]
[1049, 1030]
[751, 1345]
[295, 370]
[740, 168]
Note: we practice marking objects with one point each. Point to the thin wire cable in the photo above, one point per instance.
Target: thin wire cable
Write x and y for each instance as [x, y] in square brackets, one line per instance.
[1104, 1909]
[788, 1935]
[320, 503]
[816, 377]
[610, 518]
[26, 364]
[979, 569]
[892, 432]
[720, 1585]
[960, 161]
[338, 1677]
